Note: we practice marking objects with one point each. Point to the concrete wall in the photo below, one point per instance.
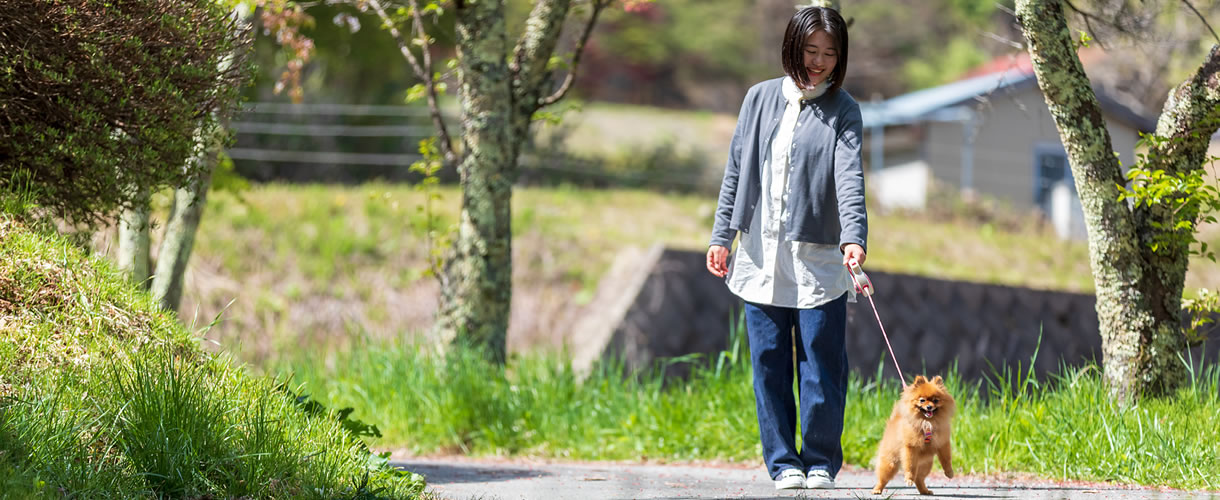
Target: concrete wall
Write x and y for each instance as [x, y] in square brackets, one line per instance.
[672, 306]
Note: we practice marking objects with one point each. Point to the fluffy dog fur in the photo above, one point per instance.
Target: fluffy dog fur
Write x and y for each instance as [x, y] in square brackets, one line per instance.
[918, 429]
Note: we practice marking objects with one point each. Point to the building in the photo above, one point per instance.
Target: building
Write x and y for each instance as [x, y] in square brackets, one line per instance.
[991, 134]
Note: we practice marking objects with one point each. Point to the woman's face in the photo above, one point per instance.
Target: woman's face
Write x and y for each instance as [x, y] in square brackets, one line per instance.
[821, 54]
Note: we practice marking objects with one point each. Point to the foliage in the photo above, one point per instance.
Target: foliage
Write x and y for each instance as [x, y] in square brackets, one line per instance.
[705, 36]
[958, 57]
[1191, 197]
[99, 96]
[1200, 310]
[438, 240]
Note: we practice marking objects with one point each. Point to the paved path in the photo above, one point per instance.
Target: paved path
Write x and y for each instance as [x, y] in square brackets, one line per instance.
[462, 478]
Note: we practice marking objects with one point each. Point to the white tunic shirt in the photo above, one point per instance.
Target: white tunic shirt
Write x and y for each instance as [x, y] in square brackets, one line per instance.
[766, 269]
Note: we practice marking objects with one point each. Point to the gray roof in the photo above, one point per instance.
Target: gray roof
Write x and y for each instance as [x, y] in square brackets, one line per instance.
[952, 102]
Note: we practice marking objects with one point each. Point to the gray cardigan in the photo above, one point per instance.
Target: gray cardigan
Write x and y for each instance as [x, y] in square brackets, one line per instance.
[826, 186]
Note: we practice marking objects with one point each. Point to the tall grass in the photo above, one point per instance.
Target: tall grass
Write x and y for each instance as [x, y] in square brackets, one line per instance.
[104, 396]
[1065, 426]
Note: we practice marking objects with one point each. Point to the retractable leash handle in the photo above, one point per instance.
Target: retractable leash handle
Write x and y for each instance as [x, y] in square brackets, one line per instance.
[864, 286]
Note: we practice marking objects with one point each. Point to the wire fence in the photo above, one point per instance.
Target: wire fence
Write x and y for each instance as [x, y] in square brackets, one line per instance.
[356, 142]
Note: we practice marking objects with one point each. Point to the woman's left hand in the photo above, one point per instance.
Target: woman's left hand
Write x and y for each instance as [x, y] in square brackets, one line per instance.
[853, 251]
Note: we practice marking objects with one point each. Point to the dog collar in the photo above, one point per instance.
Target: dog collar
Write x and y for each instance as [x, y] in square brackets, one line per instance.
[927, 436]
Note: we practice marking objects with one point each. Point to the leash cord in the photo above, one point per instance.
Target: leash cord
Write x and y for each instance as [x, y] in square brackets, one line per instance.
[865, 287]
[887, 341]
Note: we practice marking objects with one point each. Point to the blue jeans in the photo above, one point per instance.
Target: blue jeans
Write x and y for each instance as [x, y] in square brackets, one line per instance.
[821, 371]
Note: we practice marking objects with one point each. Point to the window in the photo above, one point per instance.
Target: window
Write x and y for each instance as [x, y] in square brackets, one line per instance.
[1050, 168]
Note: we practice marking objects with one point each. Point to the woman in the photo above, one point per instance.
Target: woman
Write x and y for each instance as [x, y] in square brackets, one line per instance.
[794, 189]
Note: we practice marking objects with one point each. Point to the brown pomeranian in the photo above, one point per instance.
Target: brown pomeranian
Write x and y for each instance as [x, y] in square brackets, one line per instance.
[917, 430]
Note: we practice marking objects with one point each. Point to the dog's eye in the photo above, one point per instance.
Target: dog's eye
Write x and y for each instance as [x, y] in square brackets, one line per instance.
[922, 400]
[935, 400]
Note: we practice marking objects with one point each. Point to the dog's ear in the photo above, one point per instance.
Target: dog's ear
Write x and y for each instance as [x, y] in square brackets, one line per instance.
[938, 381]
[919, 380]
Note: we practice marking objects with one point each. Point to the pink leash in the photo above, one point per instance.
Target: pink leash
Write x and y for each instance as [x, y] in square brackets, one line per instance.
[864, 286]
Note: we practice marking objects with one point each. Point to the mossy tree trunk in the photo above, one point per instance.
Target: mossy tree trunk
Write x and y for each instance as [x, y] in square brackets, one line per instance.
[183, 224]
[499, 92]
[1139, 291]
[133, 257]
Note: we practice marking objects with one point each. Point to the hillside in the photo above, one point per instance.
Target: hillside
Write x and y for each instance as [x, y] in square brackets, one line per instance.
[103, 396]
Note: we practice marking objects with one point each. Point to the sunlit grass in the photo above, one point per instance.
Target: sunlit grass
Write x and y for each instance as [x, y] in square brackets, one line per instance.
[102, 395]
[1064, 427]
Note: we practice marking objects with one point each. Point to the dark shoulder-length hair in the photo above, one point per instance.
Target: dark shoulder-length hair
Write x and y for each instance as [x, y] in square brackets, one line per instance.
[804, 23]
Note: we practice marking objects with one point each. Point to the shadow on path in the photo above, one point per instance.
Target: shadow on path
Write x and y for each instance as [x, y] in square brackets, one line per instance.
[456, 473]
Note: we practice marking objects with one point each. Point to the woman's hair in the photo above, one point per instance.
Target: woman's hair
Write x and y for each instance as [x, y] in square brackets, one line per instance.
[804, 23]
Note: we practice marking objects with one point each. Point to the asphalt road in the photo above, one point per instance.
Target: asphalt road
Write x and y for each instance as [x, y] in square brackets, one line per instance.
[460, 478]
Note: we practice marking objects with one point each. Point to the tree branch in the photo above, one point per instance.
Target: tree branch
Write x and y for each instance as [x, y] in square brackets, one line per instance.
[535, 48]
[1189, 118]
[1088, 20]
[423, 71]
[430, 84]
[598, 6]
[1201, 18]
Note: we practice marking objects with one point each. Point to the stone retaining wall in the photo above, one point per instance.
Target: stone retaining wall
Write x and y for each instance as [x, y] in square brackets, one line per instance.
[663, 303]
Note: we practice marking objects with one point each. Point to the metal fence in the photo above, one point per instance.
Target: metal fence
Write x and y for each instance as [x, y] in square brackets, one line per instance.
[355, 143]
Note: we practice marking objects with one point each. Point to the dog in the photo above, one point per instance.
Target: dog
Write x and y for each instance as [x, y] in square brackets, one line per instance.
[918, 429]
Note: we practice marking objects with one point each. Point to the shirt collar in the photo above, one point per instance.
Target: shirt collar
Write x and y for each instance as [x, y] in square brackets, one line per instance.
[795, 94]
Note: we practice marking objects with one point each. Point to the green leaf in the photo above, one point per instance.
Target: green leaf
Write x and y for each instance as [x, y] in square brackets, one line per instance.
[416, 92]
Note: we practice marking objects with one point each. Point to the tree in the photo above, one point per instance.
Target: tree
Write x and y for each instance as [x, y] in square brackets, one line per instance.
[501, 88]
[1138, 254]
[101, 100]
[166, 279]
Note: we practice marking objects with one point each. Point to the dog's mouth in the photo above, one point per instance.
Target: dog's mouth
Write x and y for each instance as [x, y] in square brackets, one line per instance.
[929, 411]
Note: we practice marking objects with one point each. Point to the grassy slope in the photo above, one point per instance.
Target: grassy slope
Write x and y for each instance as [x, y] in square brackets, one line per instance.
[103, 396]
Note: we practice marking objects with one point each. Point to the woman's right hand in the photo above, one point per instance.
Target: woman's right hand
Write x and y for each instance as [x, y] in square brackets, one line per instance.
[717, 258]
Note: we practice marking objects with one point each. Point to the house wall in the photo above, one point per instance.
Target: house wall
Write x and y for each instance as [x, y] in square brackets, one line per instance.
[1009, 131]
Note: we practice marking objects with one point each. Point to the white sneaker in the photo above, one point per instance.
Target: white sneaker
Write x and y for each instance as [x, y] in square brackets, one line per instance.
[819, 479]
[790, 479]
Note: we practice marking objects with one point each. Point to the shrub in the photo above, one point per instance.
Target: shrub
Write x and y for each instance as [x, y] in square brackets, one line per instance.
[98, 96]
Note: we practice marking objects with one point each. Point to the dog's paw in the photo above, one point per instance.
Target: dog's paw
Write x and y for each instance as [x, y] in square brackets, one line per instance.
[910, 481]
[925, 491]
[949, 473]
[877, 490]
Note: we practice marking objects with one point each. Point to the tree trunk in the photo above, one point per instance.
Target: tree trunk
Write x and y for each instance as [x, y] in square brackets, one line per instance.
[1188, 119]
[180, 231]
[476, 299]
[1123, 310]
[134, 243]
[1138, 293]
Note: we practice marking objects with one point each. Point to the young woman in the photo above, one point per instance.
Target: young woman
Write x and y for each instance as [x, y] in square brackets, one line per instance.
[794, 190]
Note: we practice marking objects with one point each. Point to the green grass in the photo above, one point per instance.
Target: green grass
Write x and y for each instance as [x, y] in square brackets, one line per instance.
[102, 395]
[323, 233]
[1066, 427]
[303, 267]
